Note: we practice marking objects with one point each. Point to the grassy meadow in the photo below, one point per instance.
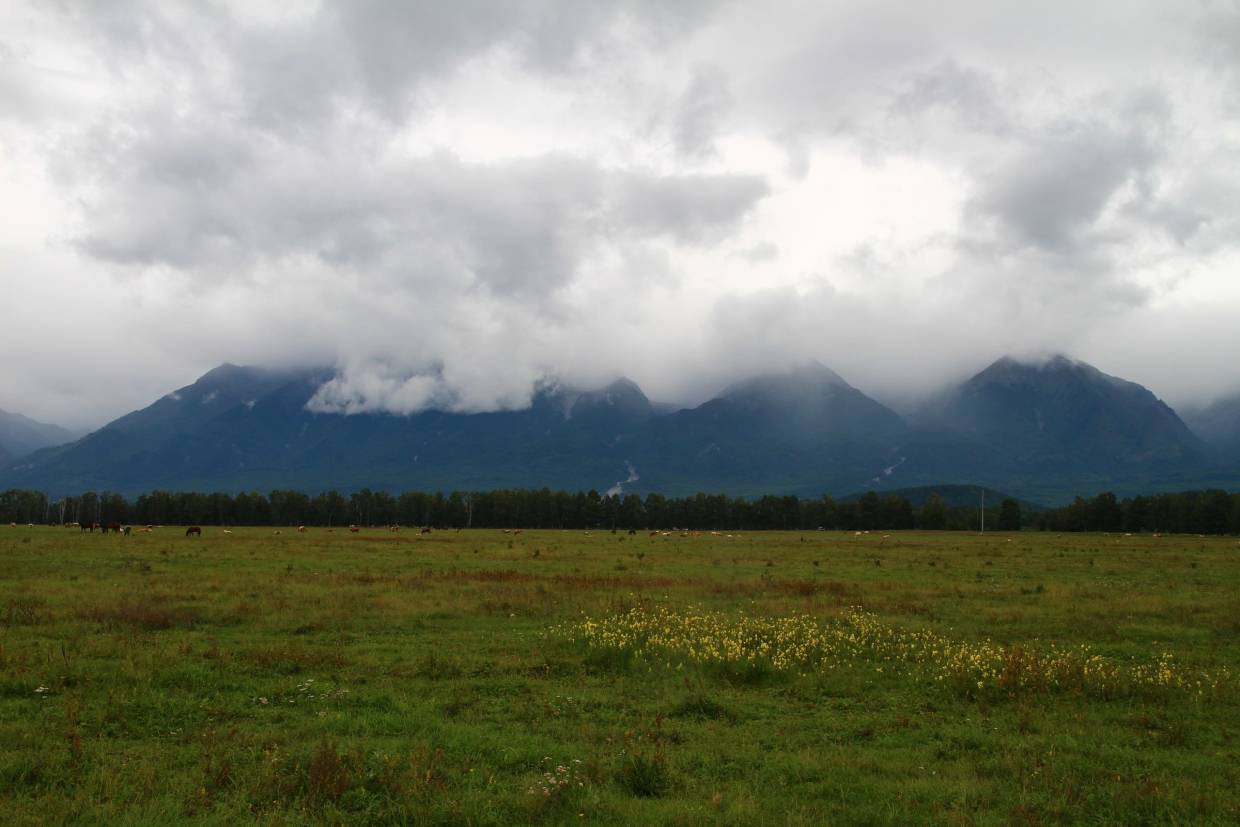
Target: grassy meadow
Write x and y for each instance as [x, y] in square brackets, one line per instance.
[548, 677]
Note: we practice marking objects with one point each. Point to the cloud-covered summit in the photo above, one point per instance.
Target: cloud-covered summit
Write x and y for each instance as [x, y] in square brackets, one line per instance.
[452, 202]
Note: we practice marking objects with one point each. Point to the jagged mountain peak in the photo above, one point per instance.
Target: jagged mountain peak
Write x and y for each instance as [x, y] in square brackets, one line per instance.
[217, 391]
[1035, 368]
[807, 377]
[806, 401]
[621, 398]
[1061, 410]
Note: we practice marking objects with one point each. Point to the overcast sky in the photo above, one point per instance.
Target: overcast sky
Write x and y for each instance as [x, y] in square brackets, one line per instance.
[449, 201]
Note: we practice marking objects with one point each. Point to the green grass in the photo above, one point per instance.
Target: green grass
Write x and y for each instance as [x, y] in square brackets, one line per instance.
[397, 678]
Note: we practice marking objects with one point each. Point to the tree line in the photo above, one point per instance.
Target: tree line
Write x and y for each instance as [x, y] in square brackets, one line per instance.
[505, 508]
[1212, 511]
[1188, 512]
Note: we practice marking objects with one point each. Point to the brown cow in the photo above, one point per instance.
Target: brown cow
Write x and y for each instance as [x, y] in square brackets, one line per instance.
[195, 530]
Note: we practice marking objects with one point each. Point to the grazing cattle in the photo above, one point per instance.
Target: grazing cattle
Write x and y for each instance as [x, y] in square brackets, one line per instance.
[195, 530]
[12, 525]
[277, 531]
[126, 529]
[116, 527]
[89, 527]
[426, 530]
[632, 531]
[393, 528]
[228, 532]
[301, 529]
[354, 529]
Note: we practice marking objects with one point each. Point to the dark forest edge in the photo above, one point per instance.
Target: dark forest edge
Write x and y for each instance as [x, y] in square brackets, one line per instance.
[1188, 512]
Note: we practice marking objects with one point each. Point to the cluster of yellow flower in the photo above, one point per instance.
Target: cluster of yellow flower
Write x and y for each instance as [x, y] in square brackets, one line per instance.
[859, 639]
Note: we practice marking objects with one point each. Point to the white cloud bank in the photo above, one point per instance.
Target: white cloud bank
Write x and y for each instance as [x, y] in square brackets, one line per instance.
[450, 202]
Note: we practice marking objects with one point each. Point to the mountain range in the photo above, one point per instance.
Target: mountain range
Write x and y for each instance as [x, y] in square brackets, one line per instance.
[1041, 430]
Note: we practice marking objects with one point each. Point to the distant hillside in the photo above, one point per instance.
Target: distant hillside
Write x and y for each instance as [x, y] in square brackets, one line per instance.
[20, 435]
[1218, 425]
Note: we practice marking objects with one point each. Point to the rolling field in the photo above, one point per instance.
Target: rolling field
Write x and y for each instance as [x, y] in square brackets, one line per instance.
[480, 677]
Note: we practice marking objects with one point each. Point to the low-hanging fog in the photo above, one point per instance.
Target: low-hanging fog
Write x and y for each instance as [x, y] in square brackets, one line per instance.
[450, 202]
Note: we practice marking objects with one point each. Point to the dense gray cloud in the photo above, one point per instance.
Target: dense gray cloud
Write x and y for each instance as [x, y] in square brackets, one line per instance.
[453, 202]
[1051, 195]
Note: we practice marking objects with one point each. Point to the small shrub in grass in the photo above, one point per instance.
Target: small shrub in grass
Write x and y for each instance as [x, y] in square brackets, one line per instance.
[702, 708]
[643, 773]
[643, 769]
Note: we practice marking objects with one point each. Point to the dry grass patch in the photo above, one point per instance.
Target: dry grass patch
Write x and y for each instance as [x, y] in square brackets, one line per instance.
[148, 612]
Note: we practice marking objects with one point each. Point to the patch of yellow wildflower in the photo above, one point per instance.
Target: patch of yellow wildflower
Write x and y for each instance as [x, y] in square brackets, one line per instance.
[859, 639]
